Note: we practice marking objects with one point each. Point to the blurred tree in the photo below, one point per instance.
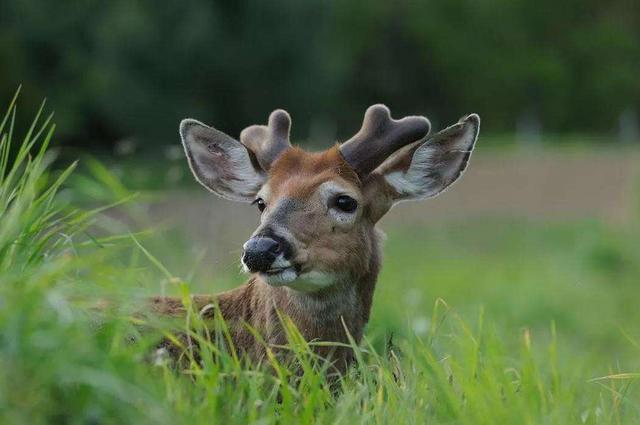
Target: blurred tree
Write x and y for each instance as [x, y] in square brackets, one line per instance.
[131, 70]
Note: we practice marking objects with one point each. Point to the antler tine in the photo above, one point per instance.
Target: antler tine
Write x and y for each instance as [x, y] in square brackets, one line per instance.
[266, 142]
[380, 136]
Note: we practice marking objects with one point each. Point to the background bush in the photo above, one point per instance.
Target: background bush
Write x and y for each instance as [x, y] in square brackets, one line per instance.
[130, 70]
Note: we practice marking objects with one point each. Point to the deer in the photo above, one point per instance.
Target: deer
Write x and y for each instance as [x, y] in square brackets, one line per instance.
[316, 253]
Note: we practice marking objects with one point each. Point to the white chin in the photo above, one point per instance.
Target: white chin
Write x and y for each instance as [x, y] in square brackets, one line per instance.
[306, 282]
[281, 278]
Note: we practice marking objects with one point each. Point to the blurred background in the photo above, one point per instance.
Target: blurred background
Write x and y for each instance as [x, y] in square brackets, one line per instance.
[130, 70]
[542, 228]
[542, 75]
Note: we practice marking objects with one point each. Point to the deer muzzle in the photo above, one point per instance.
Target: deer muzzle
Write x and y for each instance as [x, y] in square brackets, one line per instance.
[262, 254]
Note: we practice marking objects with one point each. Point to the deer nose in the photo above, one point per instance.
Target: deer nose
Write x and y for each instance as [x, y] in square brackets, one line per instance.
[260, 252]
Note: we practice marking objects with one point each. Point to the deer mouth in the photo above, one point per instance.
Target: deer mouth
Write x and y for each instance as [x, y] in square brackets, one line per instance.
[277, 270]
[299, 280]
[279, 276]
[281, 271]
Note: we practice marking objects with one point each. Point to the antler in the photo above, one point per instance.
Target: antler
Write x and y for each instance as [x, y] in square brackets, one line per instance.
[380, 136]
[268, 141]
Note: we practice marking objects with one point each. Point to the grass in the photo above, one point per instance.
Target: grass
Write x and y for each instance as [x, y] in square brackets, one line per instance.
[491, 321]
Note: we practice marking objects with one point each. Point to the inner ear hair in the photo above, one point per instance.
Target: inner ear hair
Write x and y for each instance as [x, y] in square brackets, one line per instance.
[219, 162]
[426, 168]
[230, 168]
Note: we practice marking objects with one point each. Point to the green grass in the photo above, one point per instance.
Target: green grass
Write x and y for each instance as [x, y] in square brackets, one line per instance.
[483, 322]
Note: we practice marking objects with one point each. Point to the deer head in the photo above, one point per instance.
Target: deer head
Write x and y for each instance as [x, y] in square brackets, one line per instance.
[318, 210]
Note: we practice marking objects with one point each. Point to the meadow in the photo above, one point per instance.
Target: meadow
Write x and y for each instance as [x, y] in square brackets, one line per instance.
[483, 320]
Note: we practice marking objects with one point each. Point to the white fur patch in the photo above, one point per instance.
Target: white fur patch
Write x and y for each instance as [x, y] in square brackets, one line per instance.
[404, 182]
[284, 278]
[306, 282]
[280, 262]
[313, 281]
[414, 182]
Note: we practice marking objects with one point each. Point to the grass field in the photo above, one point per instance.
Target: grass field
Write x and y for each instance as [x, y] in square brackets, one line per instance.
[475, 321]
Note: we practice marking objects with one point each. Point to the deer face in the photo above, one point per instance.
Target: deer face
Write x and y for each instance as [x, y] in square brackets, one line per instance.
[318, 210]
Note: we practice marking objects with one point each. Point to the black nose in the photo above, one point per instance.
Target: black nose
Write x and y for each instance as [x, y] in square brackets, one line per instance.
[260, 252]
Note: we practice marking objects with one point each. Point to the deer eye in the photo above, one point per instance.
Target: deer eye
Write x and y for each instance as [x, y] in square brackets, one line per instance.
[345, 203]
[260, 203]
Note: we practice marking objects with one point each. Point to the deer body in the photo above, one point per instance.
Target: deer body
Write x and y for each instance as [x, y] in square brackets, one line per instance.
[315, 256]
[319, 316]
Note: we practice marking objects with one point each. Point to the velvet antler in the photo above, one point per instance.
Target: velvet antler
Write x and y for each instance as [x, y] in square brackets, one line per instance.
[380, 136]
[268, 141]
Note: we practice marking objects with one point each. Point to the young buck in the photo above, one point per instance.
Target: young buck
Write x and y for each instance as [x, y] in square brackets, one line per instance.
[316, 254]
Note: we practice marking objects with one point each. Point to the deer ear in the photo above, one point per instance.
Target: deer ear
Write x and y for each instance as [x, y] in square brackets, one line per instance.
[220, 163]
[426, 168]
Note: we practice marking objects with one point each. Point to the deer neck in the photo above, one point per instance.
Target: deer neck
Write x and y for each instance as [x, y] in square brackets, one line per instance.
[320, 314]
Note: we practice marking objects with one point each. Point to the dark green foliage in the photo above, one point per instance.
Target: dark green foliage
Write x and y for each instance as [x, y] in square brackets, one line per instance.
[123, 69]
